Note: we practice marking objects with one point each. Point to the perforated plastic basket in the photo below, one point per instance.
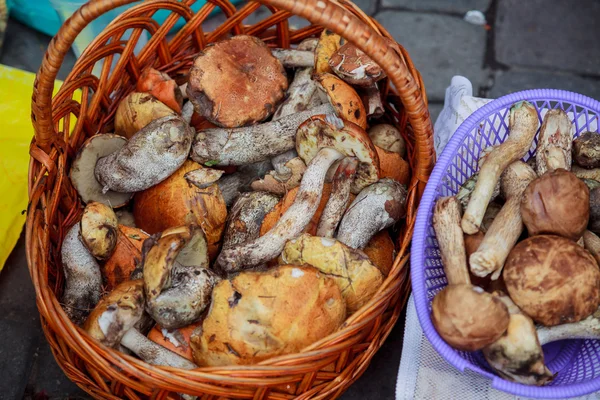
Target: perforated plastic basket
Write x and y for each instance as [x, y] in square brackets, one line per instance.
[576, 362]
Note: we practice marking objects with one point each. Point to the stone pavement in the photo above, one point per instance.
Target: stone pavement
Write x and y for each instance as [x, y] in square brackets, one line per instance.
[526, 44]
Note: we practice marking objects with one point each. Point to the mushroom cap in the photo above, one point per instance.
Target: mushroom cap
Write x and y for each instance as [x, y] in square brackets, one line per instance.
[126, 257]
[344, 99]
[161, 86]
[468, 318]
[352, 270]
[355, 67]
[556, 203]
[586, 150]
[552, 279]
[259, 315]
[136, 111]
[99, 229]
[388, 137]
[393, 166]
[381, 251]
[116, 313]
[176, 202]
[236, 82]
[177, 340]
[344, 136]
[82, 172]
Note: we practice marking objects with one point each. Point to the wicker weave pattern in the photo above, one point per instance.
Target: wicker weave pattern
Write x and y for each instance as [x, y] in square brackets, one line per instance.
[325, 369]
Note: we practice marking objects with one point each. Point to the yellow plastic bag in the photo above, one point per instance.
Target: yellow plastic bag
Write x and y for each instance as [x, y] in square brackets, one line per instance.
[15, 137]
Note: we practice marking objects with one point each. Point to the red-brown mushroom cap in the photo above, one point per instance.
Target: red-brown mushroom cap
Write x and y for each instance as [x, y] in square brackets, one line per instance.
[344, 136]
[355, 67]
[236, 82]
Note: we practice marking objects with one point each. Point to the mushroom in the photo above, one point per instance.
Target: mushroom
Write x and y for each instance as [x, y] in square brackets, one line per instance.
[99, 230]
[355, 67]
[328, 44]
[177, 282]
[591, 243]
[250, 144]
[246, 217]
[506, 228]
[584, 173]
[150, 156]
[552, 279]
[116, 313]
[125, 217]
[586, 150]
[153, 353]
[176, 202]
[83, 280]
[356, 276]
[294, 58]
[523, 124]
[588, 328]
[82, 172]
[126, 257]
[136, 111]
[554, 142]
[376, 207]
[242, 180]
[236, 82]
[556, 203]
[390, 148]
[343, 98]
[465, 316]
[371, 97]
[203, 177]
[518, 354]
[321, 141]
[278, 183]
[259, 315]
[340, 193]
[381, 251]
[176, 340]
[161, 86]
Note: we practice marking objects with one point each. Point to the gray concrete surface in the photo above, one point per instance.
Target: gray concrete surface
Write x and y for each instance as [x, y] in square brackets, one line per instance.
[527, 44]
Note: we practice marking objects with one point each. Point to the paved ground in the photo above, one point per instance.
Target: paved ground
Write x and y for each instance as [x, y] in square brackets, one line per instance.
[527, 44]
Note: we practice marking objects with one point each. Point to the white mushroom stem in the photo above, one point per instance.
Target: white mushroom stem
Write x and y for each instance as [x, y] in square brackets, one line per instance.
[187, 112]
[376, 207]
[293, 58]
[291, 223]
[523, 124]
[588, 328]
[153, 353]
[299, 94]
[555, 142]
[506, 228]
[83, 280]
[372, 100]
[450, 238]
[591, 242]
[338, 199]
[246, 145]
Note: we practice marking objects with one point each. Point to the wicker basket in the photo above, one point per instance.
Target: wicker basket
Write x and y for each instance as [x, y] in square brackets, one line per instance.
[62, 123]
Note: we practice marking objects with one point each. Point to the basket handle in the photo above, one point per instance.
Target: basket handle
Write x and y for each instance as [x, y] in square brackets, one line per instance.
[320, 12]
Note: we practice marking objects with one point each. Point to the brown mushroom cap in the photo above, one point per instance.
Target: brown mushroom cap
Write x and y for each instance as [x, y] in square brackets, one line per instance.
[344, 99]
[355, 67]
[126, 257]
[556, 203]
[484, 322]
[236, 82]
[553, 279]
[344, 136]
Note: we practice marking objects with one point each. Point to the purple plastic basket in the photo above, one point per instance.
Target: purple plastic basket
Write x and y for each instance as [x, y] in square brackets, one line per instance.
[576, 362]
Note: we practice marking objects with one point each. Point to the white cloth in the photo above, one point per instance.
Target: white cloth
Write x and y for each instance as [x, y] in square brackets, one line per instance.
[424, 374]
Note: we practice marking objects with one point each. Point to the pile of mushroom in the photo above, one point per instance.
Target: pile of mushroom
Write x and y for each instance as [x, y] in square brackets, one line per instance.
[242, 215]
[523, 233]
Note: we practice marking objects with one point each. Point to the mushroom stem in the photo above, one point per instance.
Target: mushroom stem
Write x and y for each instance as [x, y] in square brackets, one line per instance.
[523, 124]
[446, 224]
[291, 223]
[584, 173]
[153, 353]
[299, 94]
[246, 145]
[375, 208]
[518, 354]
[293, 58]
[554, 142]
[340, 193]
[588, 328]
[240, 181]
[591, 242]
[83, 280]
[372, 100]
[504, 232]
